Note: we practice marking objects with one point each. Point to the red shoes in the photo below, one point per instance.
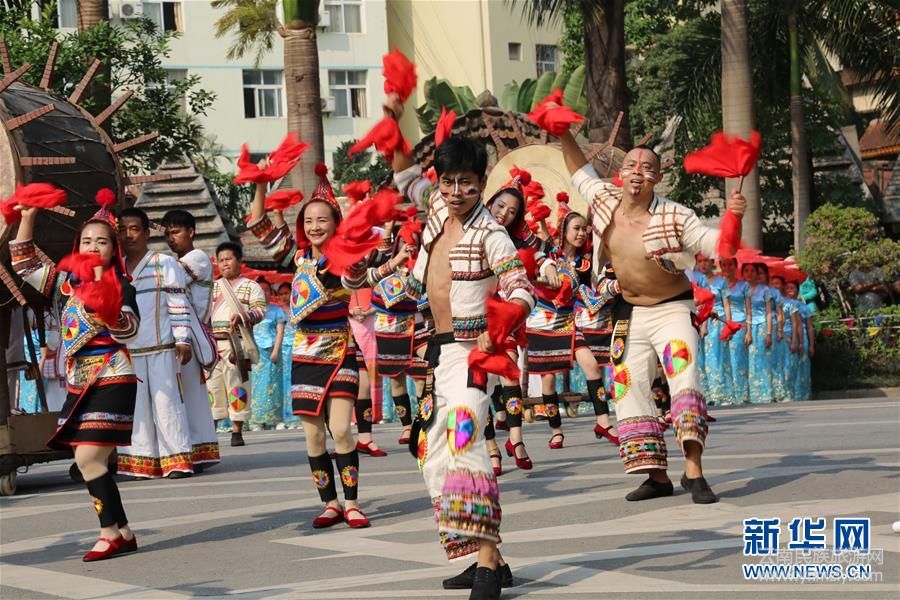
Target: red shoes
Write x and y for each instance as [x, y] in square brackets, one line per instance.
[368, 449]
[523, 463]
[603, 432]
[404, 439]
[710, 418]
[498, 470]
[324, 520]
[556, 445]
[360, 522]
[116, 547]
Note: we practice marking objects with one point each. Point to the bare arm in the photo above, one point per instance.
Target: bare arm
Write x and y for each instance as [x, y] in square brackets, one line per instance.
[748, 335]
[779, 314]
[574, 157]
[726, 302]
[768, 322]
[393, 109]
[258, 205]
[279, 338]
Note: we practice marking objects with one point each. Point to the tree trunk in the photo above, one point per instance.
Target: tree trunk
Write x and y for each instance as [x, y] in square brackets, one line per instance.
[737, 109]
[304, 117]
[91, 12]
[606, 86]
[800, 164]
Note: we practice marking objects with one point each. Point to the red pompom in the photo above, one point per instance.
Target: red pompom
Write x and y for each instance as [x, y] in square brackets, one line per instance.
[399, 74]
[533, 190]
[523, 175]
[105, 197]
[34, 195]
[386, 137]
[562, 197]
[538, 210]
[103, 296]
[321, 169]
[556, 120]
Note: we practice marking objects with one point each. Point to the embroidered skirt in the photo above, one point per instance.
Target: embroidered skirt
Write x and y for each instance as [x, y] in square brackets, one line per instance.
[102, 416]
[324, 363]
[395, 337]
[551, 341]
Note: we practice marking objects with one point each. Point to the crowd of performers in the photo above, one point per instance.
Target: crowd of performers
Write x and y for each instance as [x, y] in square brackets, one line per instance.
[463, 291]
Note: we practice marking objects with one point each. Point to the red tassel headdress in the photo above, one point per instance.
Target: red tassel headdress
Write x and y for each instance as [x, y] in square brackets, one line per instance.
[322, 193]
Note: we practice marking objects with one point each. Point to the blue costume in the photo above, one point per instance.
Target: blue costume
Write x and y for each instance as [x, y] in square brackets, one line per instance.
[268, 377]
[738, 353]
[803, 383]
[717, 365]
[761, 358]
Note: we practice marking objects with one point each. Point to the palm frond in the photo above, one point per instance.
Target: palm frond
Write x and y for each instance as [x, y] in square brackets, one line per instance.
[549, 12]
[254, 24]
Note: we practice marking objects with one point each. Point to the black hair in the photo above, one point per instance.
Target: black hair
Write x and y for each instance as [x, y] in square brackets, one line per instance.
[457, 154]
[234, 247]
[136, 213]
[652, 151]
[514, 227]
[181, 218]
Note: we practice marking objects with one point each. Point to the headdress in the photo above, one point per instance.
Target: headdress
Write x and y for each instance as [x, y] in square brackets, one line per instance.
[107, 198]
[322, 193]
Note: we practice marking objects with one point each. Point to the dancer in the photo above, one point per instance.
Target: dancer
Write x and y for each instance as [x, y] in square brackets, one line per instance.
[161, 440]
[291, 421]
[98, 411]
[715, 351]
[266, 380]
[198, 273]
[362, 325]
[238, 304]
[780, 343]
[324, 371]
[737, 308]
[806, 341]
[762, 321]
[472, 256]
[653, 315]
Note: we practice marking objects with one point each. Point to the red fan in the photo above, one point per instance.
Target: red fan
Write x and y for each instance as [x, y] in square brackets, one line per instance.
[357, 190]
[354, 237]
[386, 138]
[556, 120]
[444, 126]
[399, 74]
[281, 161]
[98, 288]
[502, 319]
[282, 200]
[36, 195]
[725, 156]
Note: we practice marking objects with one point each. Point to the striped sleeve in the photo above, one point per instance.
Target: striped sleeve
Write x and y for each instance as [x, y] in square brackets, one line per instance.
[28, 266]
[416, 187]
[256, 302]
[276, 241]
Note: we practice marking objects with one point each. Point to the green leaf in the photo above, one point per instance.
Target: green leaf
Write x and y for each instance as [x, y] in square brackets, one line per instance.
[575, 90]
[526, 95]
[510, 96]
[562, 78]
[543, 88]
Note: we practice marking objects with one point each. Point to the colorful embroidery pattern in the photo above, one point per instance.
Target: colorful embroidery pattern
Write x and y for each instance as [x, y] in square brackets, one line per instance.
[426, 407]
[461, 427]
[551, 410]
[617, 349]
[320, 479]
[621, 381]
[367, 415]
[350, 476]
[401, 412]
[98, 505]
[641, 443]
[676, 357]
[237, 398]
[514, 406]
[422, 449]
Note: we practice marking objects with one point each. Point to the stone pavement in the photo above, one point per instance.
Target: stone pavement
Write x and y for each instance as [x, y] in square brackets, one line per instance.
[242, 529]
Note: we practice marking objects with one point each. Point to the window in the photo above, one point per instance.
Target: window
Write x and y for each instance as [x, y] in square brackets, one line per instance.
[515, 51]
[346, 15]
[66, 16]
[172, 76]
[349, 91]
[166, 15]
[262, 94]
[546, 58]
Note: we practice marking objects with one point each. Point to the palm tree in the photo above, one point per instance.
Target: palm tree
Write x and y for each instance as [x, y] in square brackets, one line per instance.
[255, 23]
[737, 107]
[604, 53]
[91, 12]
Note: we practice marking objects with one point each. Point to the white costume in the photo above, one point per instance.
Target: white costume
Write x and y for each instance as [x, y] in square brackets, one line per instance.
[199, 277]
[160, 440]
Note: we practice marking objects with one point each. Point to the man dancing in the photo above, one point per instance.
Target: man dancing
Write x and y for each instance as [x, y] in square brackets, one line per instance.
[651, 241]
[465, 256]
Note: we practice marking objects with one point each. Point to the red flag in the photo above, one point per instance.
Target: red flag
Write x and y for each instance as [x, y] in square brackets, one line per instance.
[99, 289]
[556, 120]
[386, 138]
[564, 293]
[357, 190]
[282, 200]
[281, 161]
[444, 126]
[35, 195]
[725, 156]
[399, 74]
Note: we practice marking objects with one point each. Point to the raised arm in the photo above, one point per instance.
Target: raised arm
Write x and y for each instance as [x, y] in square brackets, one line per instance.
[25, 262]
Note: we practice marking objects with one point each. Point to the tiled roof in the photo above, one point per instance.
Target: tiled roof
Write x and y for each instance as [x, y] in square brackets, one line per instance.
[878, 141]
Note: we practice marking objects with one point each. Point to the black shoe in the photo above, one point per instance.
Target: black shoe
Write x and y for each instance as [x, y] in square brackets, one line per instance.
[178, 475]
[198, 469]
[485, 584]
[237, 439]
[463, 581]
[651, 489]
[700, 491]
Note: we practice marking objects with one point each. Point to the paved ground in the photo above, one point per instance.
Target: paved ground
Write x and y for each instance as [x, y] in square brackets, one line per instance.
[243, 529]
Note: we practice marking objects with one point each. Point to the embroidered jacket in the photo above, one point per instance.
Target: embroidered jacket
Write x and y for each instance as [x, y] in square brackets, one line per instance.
[163, 302]
[483, 260]
[249, 294]
[674, 234]
[87, 343]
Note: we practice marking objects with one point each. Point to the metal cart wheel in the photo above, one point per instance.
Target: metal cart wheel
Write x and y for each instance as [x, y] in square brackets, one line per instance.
[8, 484]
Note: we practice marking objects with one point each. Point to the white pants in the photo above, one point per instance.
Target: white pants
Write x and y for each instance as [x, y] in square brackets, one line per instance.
[161, 439]
[204, 445]
[662, 332]
[228, 394]
[454, 457]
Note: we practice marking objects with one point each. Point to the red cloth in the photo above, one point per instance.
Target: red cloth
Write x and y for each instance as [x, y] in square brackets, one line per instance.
[399, 74]
[102, 295]
[354, 237]
[527, 256]
[556, 120]
[537, 209]
[282, 200]
[361, 298]
[281, 161]
[444, 126]
[357, 190]
[729, 329]
[564, 293]
[729, 235]
[704, 299]
[725, 156]
[502, 319]
[37, 195]
[386, 138]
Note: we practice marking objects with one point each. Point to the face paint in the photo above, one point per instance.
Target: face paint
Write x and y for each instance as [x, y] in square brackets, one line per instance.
[648, 173]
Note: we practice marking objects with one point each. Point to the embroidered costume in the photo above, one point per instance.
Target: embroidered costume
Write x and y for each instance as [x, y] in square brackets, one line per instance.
[267, 378]
[738, 353]
[761, 358]
[718, 361]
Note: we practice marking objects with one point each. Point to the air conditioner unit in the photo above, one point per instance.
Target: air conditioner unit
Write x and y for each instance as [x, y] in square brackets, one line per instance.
[131, 9]
[324, 20]
[328, 104]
